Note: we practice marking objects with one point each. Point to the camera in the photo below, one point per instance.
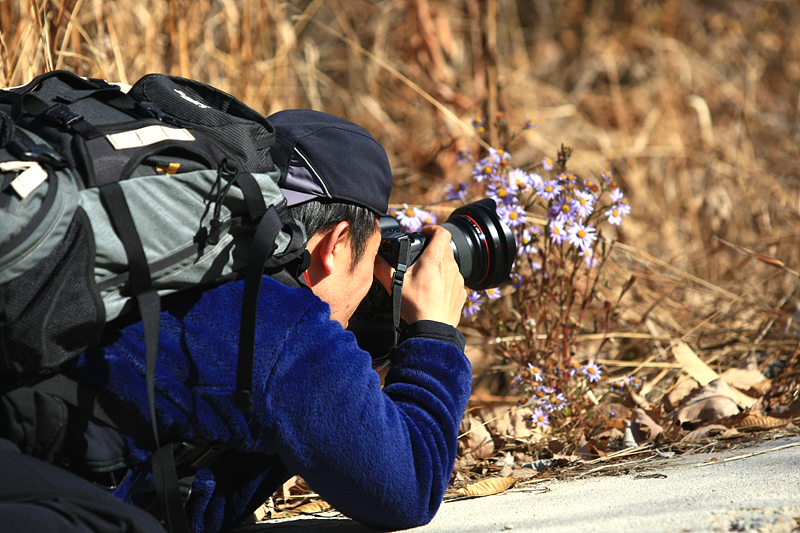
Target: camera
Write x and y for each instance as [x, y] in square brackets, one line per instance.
[484, 249]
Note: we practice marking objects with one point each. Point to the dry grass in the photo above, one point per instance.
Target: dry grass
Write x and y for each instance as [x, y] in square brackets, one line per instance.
[693, 105]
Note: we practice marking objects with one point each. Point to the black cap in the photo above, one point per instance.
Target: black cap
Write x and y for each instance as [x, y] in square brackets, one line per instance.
[324, 156]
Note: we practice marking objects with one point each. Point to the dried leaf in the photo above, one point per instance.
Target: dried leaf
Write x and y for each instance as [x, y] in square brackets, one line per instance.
[315, 506]
[712, 430]
[487, 487]
[478, 440]
[681, 390]
[693, 365]
[312, 507]
[712, 402]
[743, 379]
[753, 422]
[644, 428]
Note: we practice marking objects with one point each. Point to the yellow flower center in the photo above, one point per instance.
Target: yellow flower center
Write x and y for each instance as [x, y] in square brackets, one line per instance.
[624, 201]
[548, 188]
[487, 169]
[615, 212]
[581, 234]
[582, 201]
[502, 193]
[513, 215]
[409, 212]
[566, 208]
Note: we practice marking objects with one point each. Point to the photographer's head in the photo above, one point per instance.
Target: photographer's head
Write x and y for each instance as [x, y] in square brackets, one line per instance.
[337, 180]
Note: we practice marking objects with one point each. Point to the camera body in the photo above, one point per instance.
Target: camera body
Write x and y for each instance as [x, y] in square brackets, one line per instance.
[483, 246]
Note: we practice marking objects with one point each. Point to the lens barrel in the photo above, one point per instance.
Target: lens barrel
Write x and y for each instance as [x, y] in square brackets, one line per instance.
[483, 245]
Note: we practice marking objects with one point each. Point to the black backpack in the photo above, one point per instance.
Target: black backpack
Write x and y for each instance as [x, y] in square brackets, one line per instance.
[110, 200]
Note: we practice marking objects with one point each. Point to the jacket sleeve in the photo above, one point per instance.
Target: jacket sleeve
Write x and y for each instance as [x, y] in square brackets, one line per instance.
[383, 457]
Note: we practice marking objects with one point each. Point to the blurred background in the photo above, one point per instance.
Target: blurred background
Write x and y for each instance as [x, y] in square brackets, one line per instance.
[692, 104]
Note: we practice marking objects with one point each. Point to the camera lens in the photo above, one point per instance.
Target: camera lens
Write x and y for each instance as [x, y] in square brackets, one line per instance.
[483, 245]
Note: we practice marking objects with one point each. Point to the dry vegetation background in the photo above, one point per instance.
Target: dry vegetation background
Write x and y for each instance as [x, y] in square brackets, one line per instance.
[693, 104]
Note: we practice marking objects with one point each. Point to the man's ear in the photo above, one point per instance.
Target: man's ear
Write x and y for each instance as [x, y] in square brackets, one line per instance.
[325, 248]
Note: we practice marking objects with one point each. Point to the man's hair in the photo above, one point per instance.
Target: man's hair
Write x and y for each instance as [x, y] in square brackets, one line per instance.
[319, 215]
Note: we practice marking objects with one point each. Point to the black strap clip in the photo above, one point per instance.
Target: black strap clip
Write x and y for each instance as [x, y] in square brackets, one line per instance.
[29, 151]
[67, 117]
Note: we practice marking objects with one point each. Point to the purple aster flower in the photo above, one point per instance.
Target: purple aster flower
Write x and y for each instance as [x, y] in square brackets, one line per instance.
[547, 164]
[501, 192]
[607, 175]
[548, 190]
[410, 218]
[519, 179]
[426, 217]
[582, 236]
[540, 417]
[525, 243]
[535, 180]
[560, 401]
[483, 170]
[512, 215]
[614, 216]
[591, 371]
[529, 124]
[473, 304]
[623, 206]
[557, 232]
[479, 123]
[493, 293]
[463, 156]
[618, 386]
[498, 156]
[517, 281]
[536, 373]
[634, 382]
[583, 204]
[588, 257]
[563, 211]
[456, 191]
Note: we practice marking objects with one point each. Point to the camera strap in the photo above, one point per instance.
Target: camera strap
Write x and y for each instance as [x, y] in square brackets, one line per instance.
[403, 258]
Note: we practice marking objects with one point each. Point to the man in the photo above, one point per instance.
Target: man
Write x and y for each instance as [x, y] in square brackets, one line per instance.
[382, 456]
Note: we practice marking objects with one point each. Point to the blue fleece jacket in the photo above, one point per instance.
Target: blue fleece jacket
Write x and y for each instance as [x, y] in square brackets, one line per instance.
[380, 456]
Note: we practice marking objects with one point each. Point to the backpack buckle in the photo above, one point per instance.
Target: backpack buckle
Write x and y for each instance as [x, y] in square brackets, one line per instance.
[29, 151]
[67, 117]
[63, 114]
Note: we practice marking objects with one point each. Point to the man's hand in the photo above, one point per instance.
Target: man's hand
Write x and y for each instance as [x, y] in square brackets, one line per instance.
[433, 288]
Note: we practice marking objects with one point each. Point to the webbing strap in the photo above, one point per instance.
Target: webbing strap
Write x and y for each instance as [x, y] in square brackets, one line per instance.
[261, 250]
[403, 258]
[169, 501]
[163, 461]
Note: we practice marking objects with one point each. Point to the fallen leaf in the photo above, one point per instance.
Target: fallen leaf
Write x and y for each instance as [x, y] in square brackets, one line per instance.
[604, 438]
[712, 402]
[312, 507]
[680, 392]
[693, 365]
[478, 440]
[487, 487]
[644, 428]
[712, 430]
[753, 422]
[743, 379]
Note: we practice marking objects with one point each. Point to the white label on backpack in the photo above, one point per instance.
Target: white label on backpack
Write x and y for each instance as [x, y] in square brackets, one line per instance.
[191, 100]
[147, 136]
[32, 175]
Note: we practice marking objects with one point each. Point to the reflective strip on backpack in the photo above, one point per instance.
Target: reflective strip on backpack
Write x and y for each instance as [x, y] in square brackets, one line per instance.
[31, 176]
[147, 136]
